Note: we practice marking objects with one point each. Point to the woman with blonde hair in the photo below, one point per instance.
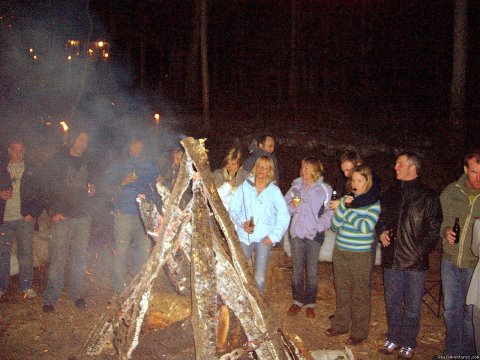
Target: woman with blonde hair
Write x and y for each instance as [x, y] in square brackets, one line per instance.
[261, 216]
[352, 260]
[307, 202]
[229, 176]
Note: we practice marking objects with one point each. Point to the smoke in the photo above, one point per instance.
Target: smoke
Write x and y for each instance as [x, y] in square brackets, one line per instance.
[41, 87]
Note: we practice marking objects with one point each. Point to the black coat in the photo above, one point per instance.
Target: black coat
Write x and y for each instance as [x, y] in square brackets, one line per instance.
[413, 211]
[31, 196]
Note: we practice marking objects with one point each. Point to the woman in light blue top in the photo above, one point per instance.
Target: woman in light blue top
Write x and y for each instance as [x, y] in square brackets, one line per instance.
[261, 216]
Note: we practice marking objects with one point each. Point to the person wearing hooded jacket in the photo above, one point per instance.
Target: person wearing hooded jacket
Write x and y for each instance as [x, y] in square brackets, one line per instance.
[260, 214]
[459, 199]
[307, 202]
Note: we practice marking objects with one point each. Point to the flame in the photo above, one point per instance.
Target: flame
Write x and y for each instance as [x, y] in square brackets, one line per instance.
[157, 117]
[64, 126]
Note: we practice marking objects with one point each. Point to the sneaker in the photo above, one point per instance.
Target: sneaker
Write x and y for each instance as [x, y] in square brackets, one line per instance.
[29, 294]
[388, 348]
[406, 352]
[80, 303]
[310, 313]
[48, 308]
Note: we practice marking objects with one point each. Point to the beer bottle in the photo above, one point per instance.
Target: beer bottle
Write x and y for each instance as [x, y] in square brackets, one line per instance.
[334, 195]
[252, 223]
[392, 235]
[456, 230]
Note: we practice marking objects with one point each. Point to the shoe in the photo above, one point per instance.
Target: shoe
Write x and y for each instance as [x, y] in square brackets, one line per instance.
[48, 308]
[353, 341]
[80, 303]
[294, 310]
[29, 294]
[331, 332]
[310, 313]
[388, 348]
[406, 352]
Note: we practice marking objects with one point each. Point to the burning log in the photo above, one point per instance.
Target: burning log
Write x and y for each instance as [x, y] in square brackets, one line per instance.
[213, 255]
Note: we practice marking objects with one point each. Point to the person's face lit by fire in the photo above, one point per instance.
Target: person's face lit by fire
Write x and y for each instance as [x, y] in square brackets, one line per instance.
[232, 167]
[473, 173]
[79, 145]
[136, 149]
[347, 167]
[16, 152]
[177, 157]
[268, 145]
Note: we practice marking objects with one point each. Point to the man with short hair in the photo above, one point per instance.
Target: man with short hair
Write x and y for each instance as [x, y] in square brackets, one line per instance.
[408, 230]
[68, 191]
[132, 176]
[20, 205]
[460, 199]
[264, 145]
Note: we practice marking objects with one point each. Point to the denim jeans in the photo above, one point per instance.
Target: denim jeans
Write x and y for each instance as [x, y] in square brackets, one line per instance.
[261, 256]
[305, 255]
[69, 240]
[403, 298]
[22, 231]
[459, 339]
[128, 230]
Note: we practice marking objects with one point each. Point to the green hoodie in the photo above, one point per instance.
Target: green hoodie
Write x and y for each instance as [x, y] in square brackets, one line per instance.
[460, 200]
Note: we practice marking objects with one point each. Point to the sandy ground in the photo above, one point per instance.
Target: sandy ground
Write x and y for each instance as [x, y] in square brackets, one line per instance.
[27, 333]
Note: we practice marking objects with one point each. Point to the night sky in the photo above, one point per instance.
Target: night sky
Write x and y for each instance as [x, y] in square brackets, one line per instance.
[358, 56]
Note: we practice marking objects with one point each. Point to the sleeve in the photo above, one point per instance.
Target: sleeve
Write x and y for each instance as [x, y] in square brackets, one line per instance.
[338, 216]
[225, 193]
[476, 238]
[382, 224]
[447, 210]
[236, 210]
[325, 220]
[282, 217]
[364, 221]
[433, 220]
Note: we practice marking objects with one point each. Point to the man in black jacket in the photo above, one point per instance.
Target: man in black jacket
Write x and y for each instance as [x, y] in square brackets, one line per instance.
[408, 230]
[20, 205]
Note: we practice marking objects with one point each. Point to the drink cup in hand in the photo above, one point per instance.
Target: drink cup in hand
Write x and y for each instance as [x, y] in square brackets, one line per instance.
[296, 198]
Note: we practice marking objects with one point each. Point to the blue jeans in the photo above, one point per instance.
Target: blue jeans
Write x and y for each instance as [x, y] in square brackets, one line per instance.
[262, 254]
[69, 239]
[128, 230]
[458, 316]
[305, 255]
[403, 298]
[22, 231]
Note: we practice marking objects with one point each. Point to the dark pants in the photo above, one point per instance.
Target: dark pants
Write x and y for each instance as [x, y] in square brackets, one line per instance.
[351, 275]
[305, 255]
[403, 298]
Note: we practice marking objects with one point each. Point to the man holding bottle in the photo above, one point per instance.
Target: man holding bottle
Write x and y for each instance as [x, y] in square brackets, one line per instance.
[460, 199]
[408, 230]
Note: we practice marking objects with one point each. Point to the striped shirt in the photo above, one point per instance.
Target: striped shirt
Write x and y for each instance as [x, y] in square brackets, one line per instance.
[355, 227]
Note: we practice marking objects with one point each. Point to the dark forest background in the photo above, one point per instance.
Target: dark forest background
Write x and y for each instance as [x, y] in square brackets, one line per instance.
[375, 65]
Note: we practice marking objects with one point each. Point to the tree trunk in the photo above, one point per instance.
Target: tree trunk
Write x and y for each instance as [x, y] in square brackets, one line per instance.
[192, 65]
[457, 107]
[204, 54]
[293, 88]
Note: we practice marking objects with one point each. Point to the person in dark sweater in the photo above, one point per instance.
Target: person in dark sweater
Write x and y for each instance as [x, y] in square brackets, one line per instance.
[132, 176]
[20, 204]
[264, 145]
[68, 191]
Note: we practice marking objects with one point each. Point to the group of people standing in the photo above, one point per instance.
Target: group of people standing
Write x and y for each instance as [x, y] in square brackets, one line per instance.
[407, 219]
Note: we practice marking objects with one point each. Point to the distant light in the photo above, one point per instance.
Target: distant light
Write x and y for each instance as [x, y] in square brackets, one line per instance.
[100, 44]
[34, 57]
[90, 51]
[31, 50]
[48, 123]
[64, 126]
[69, 57]
[105, 55]
[157, 117]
